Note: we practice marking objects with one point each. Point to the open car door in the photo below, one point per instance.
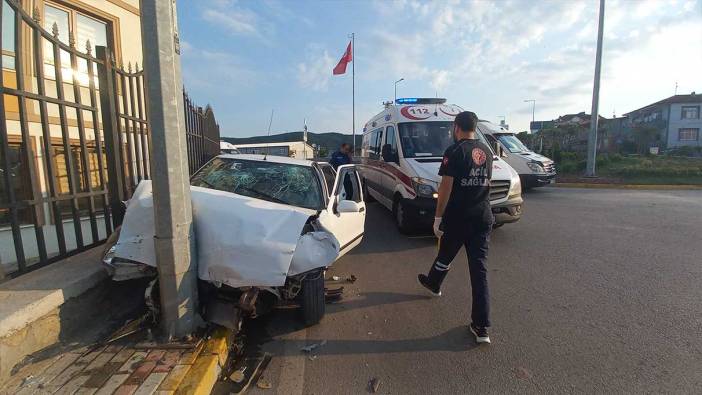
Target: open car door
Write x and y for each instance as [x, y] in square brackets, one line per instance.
[345, 214]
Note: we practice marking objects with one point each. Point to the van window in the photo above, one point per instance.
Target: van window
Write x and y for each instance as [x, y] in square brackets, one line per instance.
[389, 150]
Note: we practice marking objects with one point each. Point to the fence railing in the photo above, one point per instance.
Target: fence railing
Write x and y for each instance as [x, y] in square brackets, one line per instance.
[202, 132]
[74, 143]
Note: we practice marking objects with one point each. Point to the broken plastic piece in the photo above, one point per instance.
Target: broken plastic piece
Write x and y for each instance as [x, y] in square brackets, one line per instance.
[238, 375]
[314, 346]
[263, 384]
[373, 384]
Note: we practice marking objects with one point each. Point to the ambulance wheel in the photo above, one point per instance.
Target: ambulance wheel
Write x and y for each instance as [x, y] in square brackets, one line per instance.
[404, 224]
[312, 298]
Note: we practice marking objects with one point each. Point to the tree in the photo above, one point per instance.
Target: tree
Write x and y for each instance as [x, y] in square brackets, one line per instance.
[645, 136]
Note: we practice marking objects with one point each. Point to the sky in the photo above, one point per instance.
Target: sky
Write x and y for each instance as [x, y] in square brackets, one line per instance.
[248, 58]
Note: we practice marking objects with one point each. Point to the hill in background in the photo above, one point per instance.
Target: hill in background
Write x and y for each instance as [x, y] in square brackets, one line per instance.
[329, 141]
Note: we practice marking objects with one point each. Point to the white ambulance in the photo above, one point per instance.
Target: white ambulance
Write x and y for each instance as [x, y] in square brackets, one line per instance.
[400, 156]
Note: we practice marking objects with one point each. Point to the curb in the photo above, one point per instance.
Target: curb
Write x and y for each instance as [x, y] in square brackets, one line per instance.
[205, 371]
[628, 186]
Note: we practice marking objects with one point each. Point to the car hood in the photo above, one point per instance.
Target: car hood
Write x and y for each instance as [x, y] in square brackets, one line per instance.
[533, 156]
[241, 241]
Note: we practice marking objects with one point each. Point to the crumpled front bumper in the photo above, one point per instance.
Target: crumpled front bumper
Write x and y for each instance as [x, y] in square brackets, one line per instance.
[508, 211]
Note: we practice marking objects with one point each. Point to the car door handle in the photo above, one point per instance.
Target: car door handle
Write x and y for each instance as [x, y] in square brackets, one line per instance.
[362, 209]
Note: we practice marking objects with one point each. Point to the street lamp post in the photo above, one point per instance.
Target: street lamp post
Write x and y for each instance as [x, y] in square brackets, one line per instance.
[533, 110]
[397, 82]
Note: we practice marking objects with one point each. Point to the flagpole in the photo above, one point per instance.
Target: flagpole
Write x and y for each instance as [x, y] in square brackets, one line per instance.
[353, 93]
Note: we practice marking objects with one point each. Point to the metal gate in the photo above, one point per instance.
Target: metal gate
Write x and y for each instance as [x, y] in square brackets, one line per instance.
[74, 143]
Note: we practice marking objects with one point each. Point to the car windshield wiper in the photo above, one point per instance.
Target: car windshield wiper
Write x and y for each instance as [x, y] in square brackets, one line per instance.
[263, 195]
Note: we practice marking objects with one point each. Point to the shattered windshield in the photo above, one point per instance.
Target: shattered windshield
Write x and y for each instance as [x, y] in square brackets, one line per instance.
[275, 182]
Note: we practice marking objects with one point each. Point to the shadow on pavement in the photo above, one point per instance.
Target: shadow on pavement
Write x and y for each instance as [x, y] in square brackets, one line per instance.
[370, 299]
[457, 339]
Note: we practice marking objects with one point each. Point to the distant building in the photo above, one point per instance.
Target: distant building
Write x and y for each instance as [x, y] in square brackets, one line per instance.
[677, 118]
[537, 126]
[292, 149]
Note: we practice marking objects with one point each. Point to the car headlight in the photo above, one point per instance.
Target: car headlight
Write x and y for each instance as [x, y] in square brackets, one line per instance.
[515, 188]
[424, 188]
[536, 167]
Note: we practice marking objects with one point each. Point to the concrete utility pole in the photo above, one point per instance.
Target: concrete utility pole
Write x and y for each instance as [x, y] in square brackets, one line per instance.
[592, 140]
[177, 269]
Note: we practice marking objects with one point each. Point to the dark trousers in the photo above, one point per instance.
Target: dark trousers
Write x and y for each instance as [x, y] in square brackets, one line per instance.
[476, 240]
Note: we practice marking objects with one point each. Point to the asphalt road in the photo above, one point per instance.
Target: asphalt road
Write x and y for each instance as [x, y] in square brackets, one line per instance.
[593, 291]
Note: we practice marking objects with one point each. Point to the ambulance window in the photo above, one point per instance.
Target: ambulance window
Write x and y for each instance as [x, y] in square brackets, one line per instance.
[376, 141]
[389, 150]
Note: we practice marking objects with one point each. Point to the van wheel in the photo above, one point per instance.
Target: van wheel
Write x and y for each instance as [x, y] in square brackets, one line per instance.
[402, 220]
[312, 298]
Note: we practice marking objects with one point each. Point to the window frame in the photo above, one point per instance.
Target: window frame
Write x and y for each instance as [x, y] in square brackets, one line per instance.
[684, 108]
[696, 132]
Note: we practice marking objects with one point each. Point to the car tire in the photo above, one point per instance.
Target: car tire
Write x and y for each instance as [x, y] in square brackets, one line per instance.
[402, 220]
[312, 298]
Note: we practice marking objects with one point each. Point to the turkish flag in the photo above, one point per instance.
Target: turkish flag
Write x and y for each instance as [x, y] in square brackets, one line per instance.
[345, 59]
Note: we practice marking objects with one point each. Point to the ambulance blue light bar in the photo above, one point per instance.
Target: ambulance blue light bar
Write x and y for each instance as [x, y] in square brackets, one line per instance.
[420, 100]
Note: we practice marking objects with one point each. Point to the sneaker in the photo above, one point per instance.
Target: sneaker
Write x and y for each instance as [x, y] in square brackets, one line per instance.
[481, 333]
[424, 282]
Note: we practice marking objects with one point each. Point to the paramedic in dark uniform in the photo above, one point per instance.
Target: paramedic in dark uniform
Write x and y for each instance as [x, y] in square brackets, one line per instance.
[464, 218]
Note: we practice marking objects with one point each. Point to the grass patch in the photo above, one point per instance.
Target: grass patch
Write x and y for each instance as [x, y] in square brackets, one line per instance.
[635, 169]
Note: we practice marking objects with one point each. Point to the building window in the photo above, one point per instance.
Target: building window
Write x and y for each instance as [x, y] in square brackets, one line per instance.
[84, 28]
[78, 175]
[690, 112]
[8, 36]
[688, 134]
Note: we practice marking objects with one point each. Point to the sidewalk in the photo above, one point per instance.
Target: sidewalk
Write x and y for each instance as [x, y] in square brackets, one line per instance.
[128, 368]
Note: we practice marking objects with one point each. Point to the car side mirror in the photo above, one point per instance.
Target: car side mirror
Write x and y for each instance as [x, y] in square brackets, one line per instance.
[348, 206]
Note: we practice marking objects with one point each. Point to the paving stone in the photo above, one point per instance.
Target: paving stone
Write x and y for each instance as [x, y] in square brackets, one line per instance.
[123, 355]
[131, 364]
[174, 378]
[126, 390]
[73, 385]
[140, 374]
[167, 362]
[151, 384]
[99, 377]
[112, 384]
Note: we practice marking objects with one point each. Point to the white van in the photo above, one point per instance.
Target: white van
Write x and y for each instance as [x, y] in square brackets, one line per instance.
[534, 170]
[400, 156]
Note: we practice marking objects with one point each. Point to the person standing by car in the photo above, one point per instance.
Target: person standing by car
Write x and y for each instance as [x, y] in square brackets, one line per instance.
[464, 218]
[341, 157]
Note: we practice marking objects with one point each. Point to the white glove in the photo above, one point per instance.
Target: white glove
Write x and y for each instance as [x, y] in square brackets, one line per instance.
[437, 232]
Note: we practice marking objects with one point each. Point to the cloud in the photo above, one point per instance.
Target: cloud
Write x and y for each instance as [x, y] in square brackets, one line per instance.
[316, 71]
[223, 70]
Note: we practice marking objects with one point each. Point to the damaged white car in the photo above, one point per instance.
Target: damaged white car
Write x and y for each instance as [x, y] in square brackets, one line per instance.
[265, 230]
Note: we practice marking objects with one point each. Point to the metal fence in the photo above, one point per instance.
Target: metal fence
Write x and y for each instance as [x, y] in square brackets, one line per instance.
[74, 143]
[202, 133]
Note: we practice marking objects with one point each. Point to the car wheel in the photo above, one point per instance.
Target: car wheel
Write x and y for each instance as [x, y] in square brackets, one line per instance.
[402, 220]
[312, 298]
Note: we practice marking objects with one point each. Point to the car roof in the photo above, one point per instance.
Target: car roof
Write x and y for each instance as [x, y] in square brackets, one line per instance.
[268, 158]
